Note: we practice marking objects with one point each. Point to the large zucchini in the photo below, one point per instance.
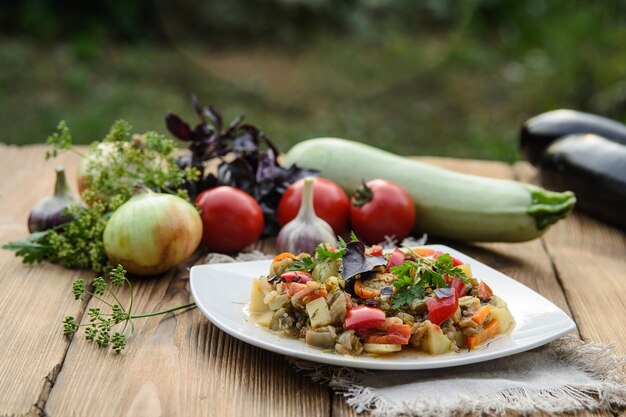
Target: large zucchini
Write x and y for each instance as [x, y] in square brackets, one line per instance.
[595, 169]
[449, 204]
[539, 132]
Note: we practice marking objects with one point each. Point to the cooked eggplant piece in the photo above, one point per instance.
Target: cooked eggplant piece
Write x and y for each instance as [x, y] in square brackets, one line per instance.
[538, 132]
[594, 168]
[349, 344]
[323, 337]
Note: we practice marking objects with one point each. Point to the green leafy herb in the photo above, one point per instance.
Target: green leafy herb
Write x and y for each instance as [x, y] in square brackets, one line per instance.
[304, 264]
[414, 276]
[113, 328]
[113, 170]
[77, 244]
[444, 265]
[322, 252]
[407, 290]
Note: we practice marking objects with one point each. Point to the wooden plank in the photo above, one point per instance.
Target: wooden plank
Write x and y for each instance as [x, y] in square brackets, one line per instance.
[180, 365]
[590, 260]
[34, 299]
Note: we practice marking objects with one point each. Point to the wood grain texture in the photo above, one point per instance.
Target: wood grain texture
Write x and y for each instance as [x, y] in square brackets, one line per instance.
[34, 299]
[590, 259]
[180, 364]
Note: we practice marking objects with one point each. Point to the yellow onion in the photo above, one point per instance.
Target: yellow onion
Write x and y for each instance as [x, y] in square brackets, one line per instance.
[152, 233]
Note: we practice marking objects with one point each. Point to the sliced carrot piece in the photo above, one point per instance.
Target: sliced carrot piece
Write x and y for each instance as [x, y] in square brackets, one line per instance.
[491, 330]
[364, 292]
[284, 255]
[482, 313]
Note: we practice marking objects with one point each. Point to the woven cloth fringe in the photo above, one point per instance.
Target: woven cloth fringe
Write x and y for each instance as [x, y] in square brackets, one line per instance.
[605, 391]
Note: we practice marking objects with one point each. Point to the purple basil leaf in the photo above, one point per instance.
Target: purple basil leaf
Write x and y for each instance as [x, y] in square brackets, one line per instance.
[245, 142]
[233, 125]
[178, 127]
[444, 293]
[197, 107]
[213, 114]
[355, 262]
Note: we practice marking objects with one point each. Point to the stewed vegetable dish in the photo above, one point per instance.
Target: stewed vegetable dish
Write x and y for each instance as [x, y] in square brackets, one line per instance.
[356, 300]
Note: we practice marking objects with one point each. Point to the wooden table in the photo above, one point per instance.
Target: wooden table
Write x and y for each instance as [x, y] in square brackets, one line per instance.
[181, 365]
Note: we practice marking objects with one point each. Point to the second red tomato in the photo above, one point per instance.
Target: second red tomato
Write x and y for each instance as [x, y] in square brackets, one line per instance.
[380, 209]
[329, 200]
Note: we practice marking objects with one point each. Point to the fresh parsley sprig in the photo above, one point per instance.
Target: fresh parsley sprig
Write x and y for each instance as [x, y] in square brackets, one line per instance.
[413, 277]
[116, 327]
[304, 264]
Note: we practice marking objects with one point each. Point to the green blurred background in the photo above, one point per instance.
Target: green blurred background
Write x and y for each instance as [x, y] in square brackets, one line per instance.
[433, 77]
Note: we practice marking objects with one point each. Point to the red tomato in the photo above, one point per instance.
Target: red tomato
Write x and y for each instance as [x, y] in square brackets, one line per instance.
[396, 333]
[374, 250]
[483, 291]
[231, 219]
[459, 286]
[440, 310]
[396, 259]
[363, 317]
[380, 209]
[297, 276]
[329, 200]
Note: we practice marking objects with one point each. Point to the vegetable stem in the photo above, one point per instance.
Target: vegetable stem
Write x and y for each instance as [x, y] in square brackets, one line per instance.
[547, 207]
[156, 313]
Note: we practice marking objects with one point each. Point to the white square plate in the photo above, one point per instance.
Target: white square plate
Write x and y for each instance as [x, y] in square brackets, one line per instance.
[223, 290]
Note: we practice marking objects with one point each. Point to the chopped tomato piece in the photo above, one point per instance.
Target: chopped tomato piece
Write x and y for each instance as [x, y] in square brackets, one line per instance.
[294, 287]
[396, 259]
[297, 276]
[441, 309]
[396, 334]
[374, 250]
[483, 291]
[308, 294]
[363, 317]
[458, 284]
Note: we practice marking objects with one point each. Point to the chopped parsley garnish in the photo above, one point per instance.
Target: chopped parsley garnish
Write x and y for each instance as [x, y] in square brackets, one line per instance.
[322, 252]
[413, 277]
[304, 264]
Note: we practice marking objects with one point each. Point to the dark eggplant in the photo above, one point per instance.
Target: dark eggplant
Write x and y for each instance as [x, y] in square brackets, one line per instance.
[594, 168]
[538, 132]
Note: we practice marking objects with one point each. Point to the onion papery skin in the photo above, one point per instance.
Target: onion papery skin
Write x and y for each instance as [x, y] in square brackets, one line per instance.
[152, 233]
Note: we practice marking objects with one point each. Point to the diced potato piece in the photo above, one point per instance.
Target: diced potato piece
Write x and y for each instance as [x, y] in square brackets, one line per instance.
[503, 315]
[380, 348]
[467, 269]
[326, 269]
[434, 341]
[278, 301]
[256, 298]
[265, 319]
[318, 312]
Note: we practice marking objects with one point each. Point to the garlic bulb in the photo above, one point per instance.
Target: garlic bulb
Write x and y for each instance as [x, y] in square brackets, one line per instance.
[51, 211]
[306, 231]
